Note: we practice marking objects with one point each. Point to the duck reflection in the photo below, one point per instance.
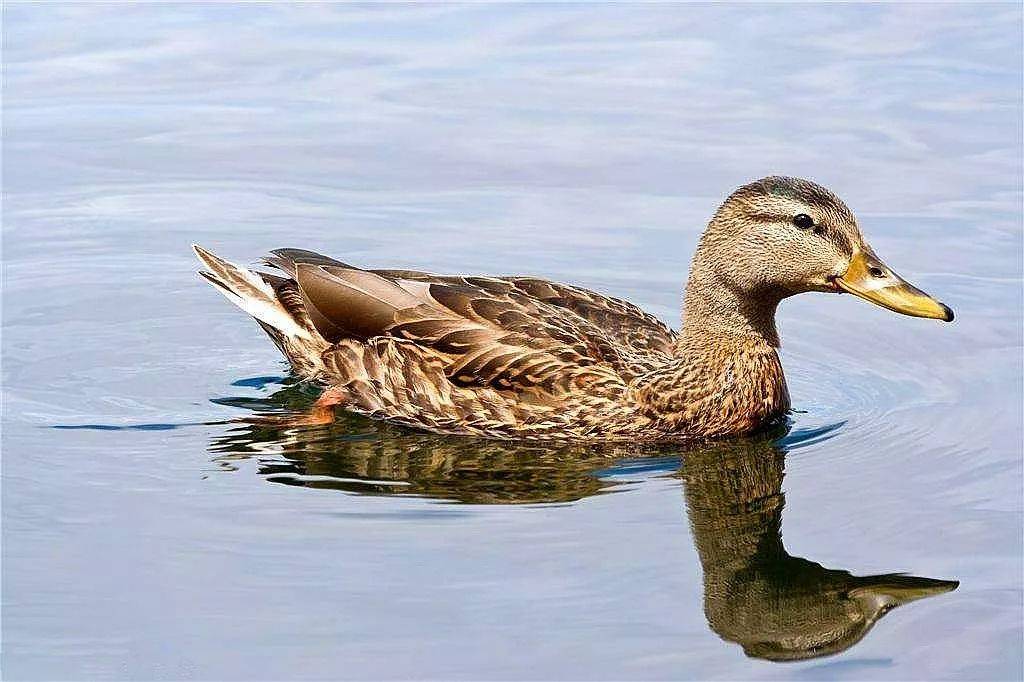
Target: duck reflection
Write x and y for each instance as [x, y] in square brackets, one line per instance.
[776, 606]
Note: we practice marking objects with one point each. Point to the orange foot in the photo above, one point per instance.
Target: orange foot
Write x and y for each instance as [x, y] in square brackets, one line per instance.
[320, 414]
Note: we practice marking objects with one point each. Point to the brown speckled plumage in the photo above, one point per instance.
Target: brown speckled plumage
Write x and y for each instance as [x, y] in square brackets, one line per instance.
[524, 358]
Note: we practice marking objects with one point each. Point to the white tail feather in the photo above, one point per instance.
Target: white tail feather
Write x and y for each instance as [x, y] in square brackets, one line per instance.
[250, 292]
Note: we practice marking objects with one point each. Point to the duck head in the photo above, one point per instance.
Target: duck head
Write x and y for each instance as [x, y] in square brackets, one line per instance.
[781, 236]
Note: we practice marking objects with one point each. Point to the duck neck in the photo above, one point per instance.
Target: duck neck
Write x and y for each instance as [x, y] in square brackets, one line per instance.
[725, 377]
[714, 311]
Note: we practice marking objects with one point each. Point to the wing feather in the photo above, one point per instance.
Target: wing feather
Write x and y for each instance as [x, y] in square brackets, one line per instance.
[538, 340]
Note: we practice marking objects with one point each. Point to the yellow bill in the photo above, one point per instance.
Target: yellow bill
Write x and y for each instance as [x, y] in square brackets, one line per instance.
[869, 278]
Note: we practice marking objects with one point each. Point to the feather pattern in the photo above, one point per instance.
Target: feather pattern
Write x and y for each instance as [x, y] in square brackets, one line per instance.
[499, 357]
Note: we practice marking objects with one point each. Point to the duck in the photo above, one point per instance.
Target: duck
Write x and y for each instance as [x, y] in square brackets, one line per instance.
[523, 358]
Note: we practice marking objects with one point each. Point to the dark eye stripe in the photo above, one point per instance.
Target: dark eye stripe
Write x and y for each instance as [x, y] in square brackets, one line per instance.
[835, 236]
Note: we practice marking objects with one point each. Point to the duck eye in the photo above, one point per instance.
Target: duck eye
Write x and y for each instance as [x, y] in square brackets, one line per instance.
[803, 221]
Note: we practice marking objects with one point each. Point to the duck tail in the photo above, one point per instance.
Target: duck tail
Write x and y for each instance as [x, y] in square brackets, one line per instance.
[267, 298]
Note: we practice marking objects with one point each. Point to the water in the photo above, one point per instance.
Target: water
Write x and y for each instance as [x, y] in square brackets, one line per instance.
[143, 538]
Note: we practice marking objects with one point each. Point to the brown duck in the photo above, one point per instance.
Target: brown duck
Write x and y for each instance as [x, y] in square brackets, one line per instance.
[525, 358]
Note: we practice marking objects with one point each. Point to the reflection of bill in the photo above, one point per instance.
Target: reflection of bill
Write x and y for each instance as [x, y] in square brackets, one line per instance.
[776, 606]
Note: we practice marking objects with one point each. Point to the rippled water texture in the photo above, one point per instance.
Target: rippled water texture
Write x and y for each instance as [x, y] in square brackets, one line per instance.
[146, 537]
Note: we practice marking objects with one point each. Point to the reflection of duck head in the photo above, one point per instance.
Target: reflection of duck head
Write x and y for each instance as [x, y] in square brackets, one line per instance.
[778, 607]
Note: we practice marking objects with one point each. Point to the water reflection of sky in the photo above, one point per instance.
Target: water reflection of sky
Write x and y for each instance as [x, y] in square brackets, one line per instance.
[905, 108]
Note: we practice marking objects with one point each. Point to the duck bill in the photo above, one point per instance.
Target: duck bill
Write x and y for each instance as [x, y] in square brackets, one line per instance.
[869, 278]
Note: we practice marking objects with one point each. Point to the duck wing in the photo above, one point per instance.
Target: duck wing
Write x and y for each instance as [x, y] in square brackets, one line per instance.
[622, 322]
[488, 333]
[632, 329]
